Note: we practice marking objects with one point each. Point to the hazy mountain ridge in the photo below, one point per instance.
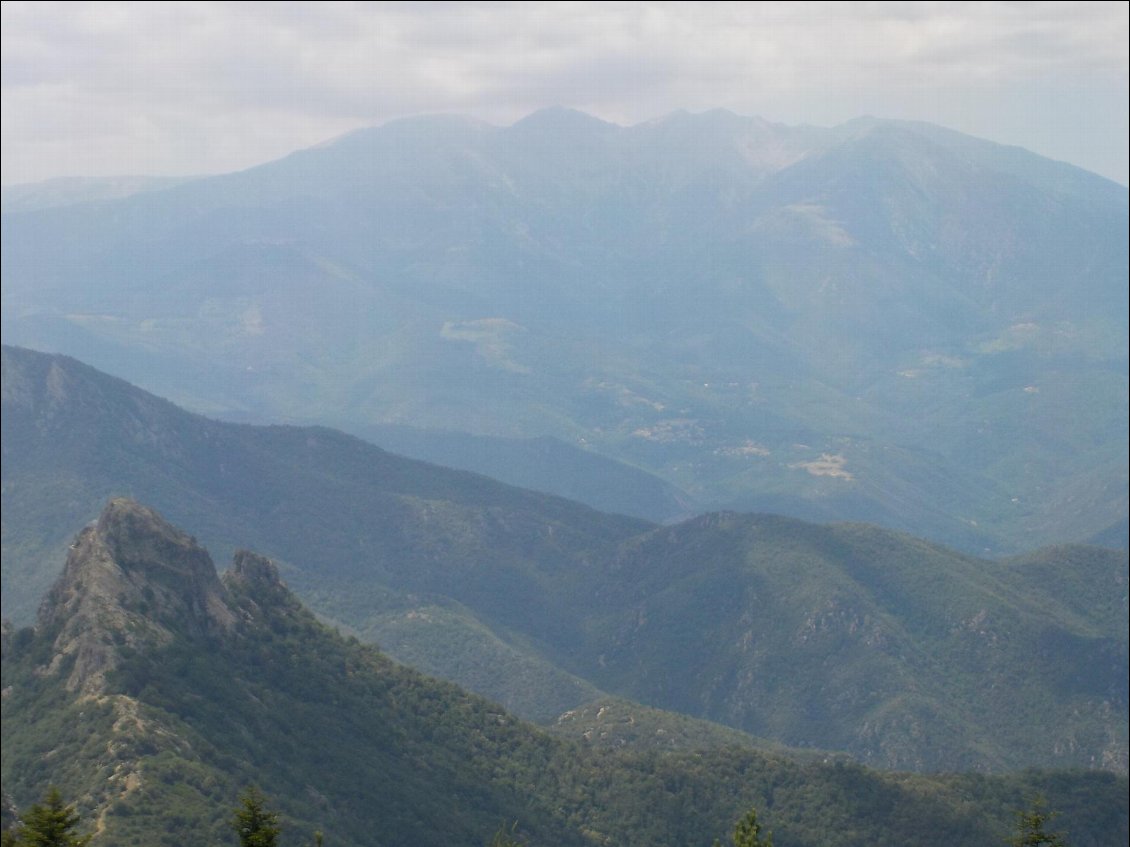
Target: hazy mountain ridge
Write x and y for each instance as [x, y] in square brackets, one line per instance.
[255, 689]
[377, 533]
[883, 321]
[841, 637]
[67, 191]
[541, 464]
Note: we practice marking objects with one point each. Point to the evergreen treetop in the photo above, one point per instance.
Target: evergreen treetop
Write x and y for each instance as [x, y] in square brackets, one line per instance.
[254, 823]
[51, 823]
[747, 832]
[1031, 828]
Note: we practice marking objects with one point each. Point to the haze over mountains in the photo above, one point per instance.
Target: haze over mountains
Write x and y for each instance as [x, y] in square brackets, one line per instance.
[882, 321]
[741, 440]
[845, 637]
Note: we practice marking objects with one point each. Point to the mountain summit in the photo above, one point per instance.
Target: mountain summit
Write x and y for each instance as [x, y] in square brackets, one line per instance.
[131, 578]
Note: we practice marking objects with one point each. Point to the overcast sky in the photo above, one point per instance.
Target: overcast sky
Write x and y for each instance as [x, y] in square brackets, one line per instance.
[98, 89]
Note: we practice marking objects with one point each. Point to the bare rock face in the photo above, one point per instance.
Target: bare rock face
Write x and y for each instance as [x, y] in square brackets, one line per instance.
[253, 582]
[131, 579]
[252, 569]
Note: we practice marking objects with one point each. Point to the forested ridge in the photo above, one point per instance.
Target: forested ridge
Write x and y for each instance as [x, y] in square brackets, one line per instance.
[152, 692]
[844, 637]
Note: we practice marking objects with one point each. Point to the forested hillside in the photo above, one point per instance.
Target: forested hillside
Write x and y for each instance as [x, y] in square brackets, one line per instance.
[882, 321]
[151, 692]
[843, 637]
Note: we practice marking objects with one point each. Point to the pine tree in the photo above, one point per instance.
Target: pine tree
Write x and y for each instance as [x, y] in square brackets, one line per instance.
[507, 837]
[747, 833]
[48, 824]
[254, 823]
[1030, 828]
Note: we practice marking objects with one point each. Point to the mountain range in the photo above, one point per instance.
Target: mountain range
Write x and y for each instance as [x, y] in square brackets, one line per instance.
[605, 483]
[882, 321]
[151, 690]
[845, 637]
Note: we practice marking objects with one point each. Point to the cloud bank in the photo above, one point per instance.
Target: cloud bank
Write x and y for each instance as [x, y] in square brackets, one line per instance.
[199, 87]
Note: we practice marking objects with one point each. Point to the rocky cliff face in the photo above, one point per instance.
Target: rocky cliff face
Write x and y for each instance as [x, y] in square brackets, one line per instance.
[131, 579]
[253, 583]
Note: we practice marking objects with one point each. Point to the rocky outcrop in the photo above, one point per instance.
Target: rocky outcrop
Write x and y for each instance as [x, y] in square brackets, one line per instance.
[254, 585]
[253, 570]
[131, 579]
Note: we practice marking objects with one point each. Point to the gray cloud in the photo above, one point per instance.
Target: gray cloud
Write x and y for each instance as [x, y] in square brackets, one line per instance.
[101, 88]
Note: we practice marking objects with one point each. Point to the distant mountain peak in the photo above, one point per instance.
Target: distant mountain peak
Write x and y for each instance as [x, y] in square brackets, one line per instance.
[557, 118]
[431, 122]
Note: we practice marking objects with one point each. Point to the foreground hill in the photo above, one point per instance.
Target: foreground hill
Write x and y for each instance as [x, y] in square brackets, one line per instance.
[847, 637]
[151, 690]
[883, 321]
